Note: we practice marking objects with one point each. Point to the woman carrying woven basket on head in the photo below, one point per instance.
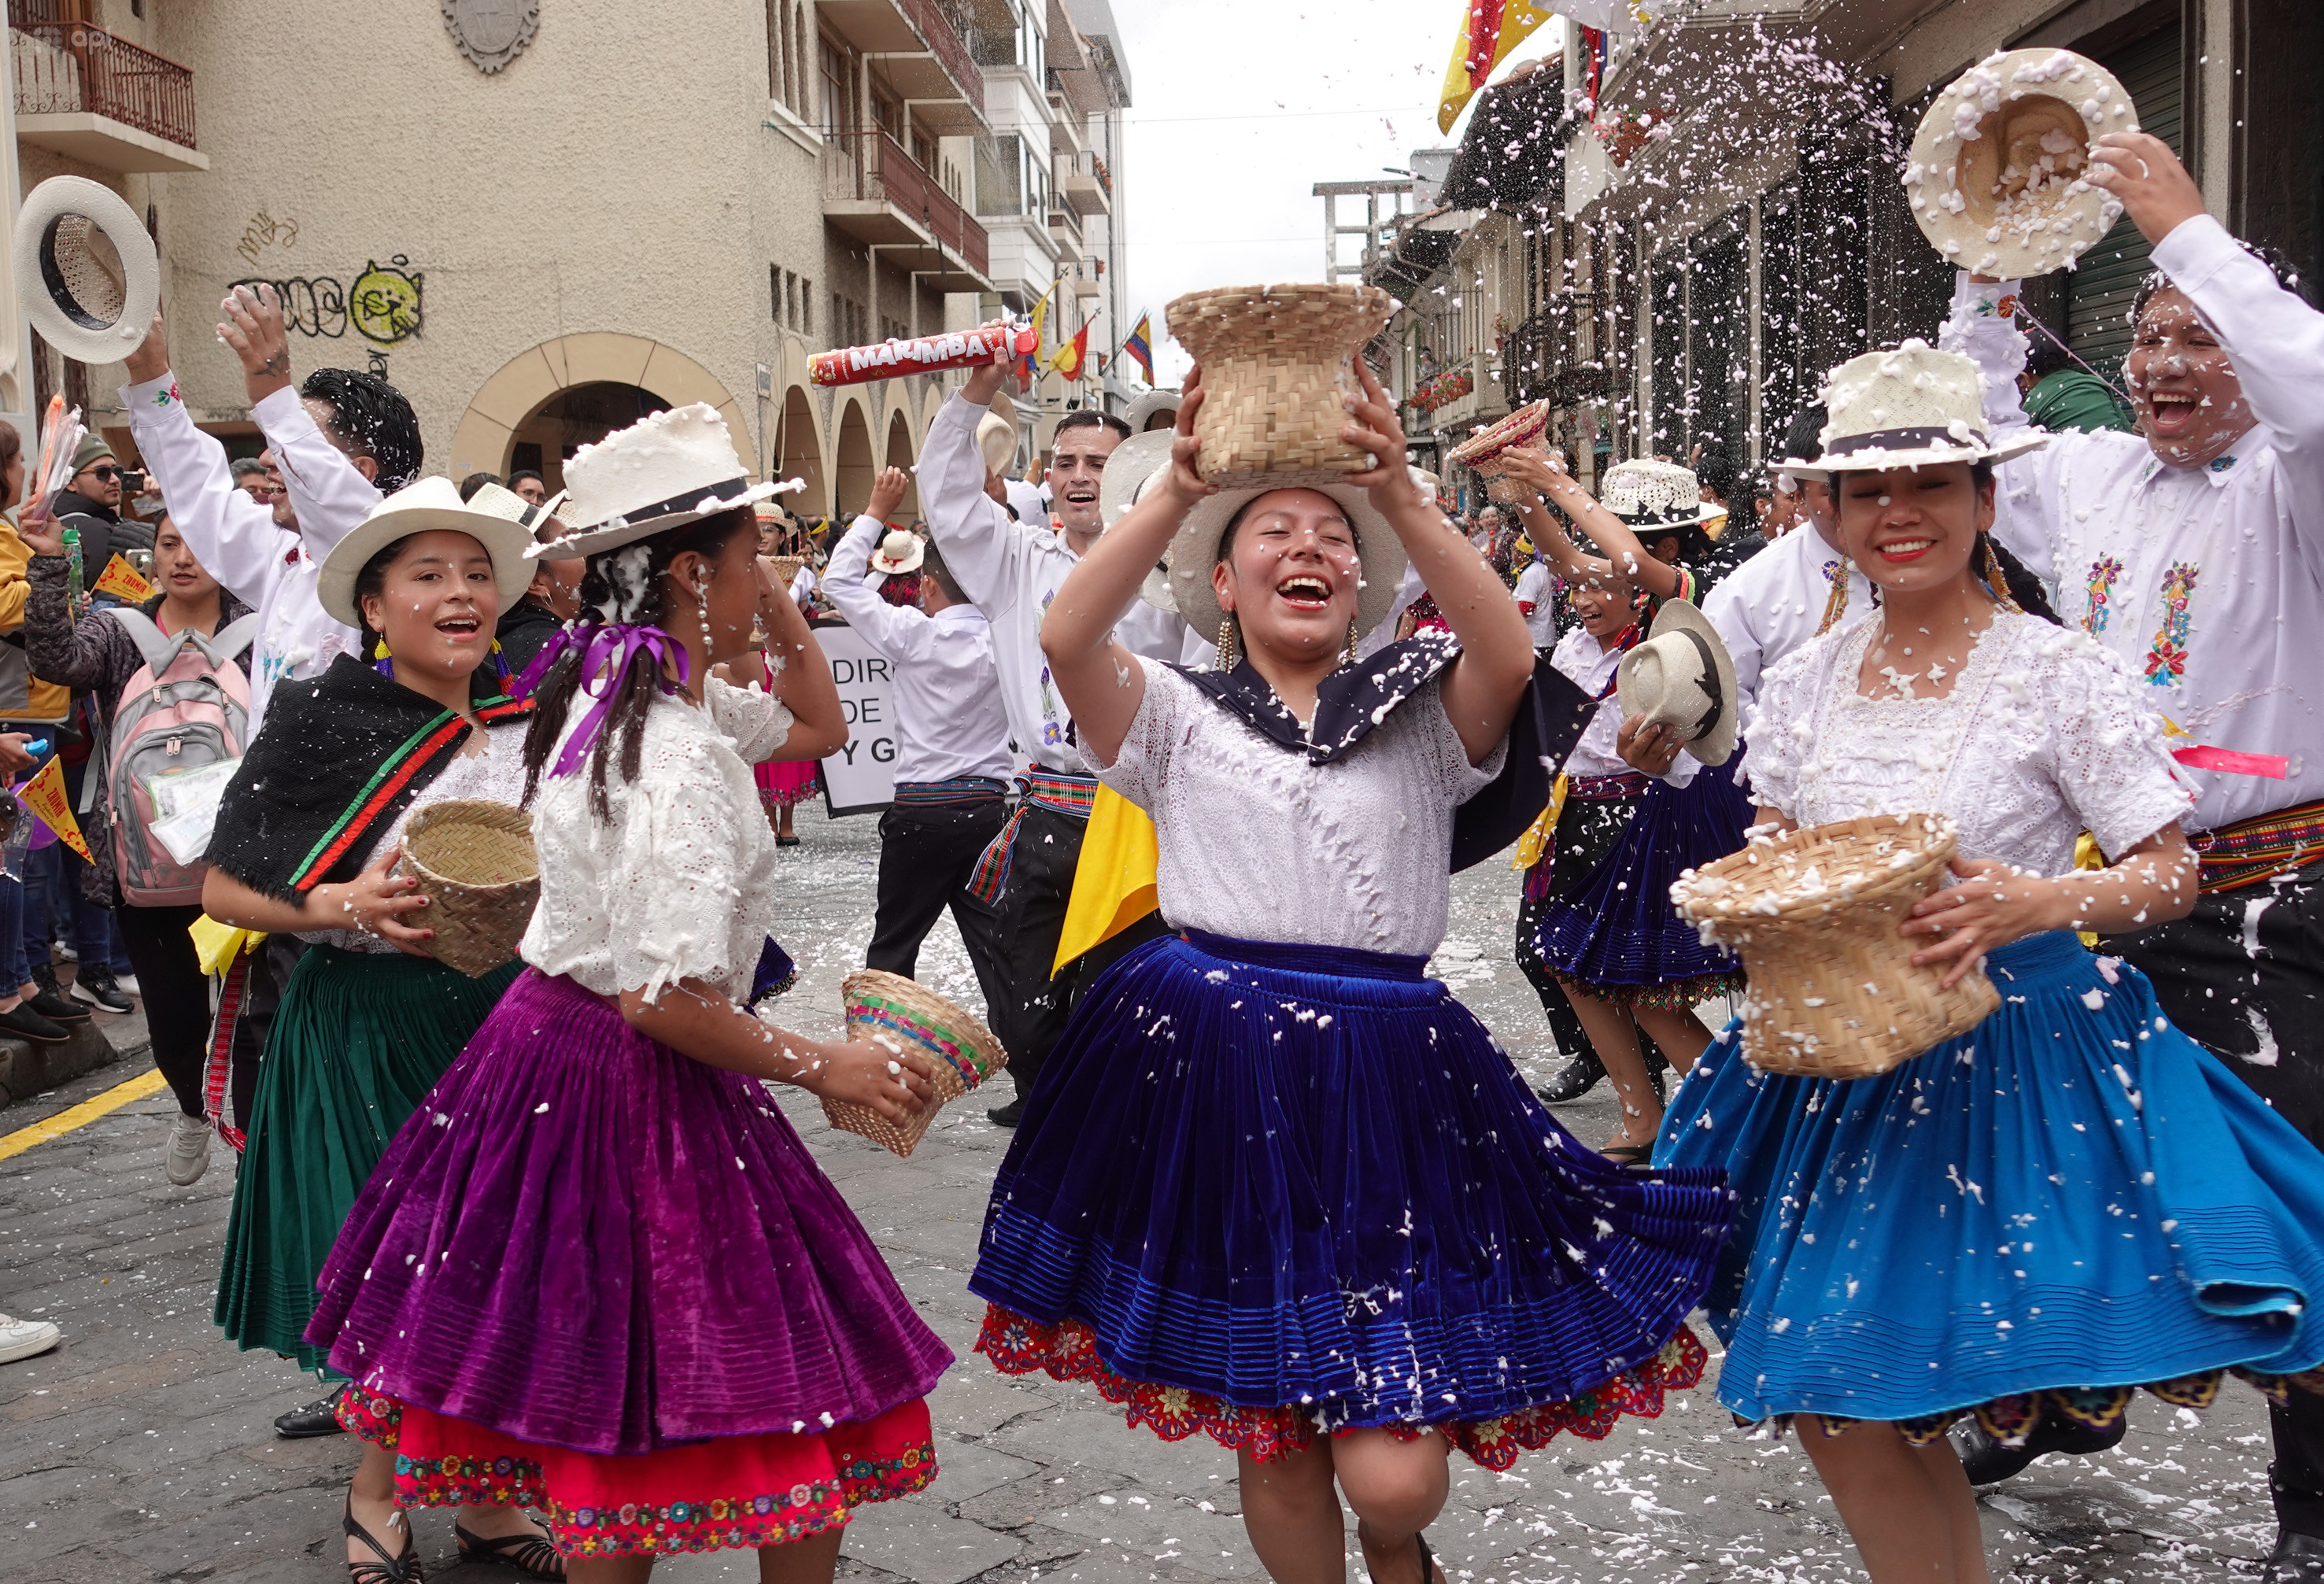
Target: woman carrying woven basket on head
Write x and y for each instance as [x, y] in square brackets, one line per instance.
[598, 1272]
[1275, 1184]
[2069, 1201]
[305, 842]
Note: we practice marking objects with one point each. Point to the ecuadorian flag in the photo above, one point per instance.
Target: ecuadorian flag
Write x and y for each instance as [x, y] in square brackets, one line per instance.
[1140, 346]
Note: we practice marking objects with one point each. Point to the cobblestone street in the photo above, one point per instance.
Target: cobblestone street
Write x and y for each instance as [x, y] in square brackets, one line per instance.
[141, 1451]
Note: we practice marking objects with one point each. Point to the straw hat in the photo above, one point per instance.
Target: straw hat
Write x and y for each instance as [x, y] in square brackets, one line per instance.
[1911, 406]
[664, 471]
[1647, 493]
[421, 508]
[1996, 173]
[84, 306]
[1683, 677]
[1195, 551]
[900, 550]
[996, 434]
[1142, 411]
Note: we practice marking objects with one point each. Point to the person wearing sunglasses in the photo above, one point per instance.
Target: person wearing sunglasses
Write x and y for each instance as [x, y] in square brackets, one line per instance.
[90, 503]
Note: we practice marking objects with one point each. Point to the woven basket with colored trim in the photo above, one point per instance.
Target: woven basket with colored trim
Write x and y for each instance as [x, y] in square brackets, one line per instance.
[1813, 914]
[1483, 452]
[474, 862]
[904, 1015]
[1276, 362]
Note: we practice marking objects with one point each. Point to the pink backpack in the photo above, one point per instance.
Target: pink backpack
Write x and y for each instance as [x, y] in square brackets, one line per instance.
[188, 706]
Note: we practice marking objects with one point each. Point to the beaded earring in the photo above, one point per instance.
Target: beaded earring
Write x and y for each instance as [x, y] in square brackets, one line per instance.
[702, 609]
[1227, 647]
[1350, 659]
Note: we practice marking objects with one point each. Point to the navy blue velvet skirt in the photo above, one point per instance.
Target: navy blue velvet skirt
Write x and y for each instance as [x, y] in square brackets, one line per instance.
[1262, 1190]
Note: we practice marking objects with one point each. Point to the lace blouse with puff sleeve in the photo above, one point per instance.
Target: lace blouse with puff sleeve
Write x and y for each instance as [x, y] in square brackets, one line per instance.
[2042, 737]
[680, 882]
[1257, 843]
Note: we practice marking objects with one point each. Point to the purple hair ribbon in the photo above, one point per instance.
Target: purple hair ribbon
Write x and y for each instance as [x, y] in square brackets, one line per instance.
[605, 654]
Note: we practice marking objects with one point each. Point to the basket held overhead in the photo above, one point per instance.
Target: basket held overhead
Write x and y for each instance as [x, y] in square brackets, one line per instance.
[904, 1015]
[474, 862]
[1276, 362]
[1813, 914]
[1486, 452]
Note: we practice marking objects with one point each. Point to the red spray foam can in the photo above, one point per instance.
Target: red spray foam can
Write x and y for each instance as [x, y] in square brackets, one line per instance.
[955, 349]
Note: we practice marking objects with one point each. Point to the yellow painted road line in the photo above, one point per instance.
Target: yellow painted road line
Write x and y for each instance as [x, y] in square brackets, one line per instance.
[88, 1111]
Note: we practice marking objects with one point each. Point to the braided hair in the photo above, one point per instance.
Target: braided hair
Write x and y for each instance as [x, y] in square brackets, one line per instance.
[624, 585]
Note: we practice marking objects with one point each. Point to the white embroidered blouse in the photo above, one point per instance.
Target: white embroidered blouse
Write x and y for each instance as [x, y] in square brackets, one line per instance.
[680, 882]
[2043, 737]
[1257, 843]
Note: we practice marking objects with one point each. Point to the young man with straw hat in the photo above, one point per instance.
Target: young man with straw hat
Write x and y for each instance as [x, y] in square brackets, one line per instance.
[2195, 553]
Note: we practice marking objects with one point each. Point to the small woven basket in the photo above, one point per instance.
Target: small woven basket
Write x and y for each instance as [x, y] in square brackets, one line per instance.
[903, 1015]
[1813, 914]
[474, 862]
[786, 569]
[1482, 453]
[1276, 362]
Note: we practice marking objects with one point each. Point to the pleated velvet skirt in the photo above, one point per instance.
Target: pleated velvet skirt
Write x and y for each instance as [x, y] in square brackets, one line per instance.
[2069, 1202]
[1264, 1190]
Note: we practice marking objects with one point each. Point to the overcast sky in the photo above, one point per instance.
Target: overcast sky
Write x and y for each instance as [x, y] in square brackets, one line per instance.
[1241, 106]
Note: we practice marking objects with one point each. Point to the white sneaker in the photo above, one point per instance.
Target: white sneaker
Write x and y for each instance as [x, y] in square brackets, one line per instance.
[187, 1154]
[21, 1339]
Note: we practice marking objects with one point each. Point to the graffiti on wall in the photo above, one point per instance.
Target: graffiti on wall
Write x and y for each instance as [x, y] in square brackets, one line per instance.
[263, 231]
[383, 306]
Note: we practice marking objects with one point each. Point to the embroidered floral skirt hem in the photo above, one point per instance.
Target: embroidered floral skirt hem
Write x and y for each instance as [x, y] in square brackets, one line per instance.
[735, 1491]
[1606, 925]
[1068, 1352]
[2070, 1202]
[1271, 1189]
[2009, 1420]
[785, 785]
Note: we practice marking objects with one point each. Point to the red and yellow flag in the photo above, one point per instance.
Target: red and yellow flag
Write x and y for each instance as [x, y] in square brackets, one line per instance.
[1490, 31]
[124, 582]
[1073, 355]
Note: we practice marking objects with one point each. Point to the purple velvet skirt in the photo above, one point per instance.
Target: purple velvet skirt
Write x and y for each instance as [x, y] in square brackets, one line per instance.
[584, 1238]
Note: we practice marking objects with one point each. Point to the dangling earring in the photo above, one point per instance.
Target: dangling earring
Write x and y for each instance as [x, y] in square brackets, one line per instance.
[1350, 659]
[1227, 656]
[1996, 579]
[381, 662]
[702, 611]
[1838, 604]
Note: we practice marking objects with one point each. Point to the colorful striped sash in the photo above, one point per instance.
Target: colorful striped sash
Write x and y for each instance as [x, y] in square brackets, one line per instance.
[1608, 788]
[959, 789]
[1058, 791]
[2256, 850]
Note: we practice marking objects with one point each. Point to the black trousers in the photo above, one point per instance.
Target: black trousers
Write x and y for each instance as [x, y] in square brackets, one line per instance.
[2260, 1008]
[1042, 861]
[176, 993]
[927, 854]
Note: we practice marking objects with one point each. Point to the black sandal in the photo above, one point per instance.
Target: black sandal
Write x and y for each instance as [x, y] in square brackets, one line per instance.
[406, 1568]
[533, 1555]
[1427, 1557]
[1629, 1154]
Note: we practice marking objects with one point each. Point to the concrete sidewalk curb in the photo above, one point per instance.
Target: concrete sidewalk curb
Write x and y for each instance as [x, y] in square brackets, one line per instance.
[28, 1071]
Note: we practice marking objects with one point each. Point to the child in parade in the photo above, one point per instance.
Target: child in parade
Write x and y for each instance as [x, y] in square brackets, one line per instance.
[2071, 1200]
[644, 1308]
[1277, 1186]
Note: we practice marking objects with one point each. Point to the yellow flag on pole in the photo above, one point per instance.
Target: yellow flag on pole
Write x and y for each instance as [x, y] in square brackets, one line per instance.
[1490, 31]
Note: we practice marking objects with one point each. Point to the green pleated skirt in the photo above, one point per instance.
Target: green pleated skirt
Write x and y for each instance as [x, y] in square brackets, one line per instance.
[356, 1043]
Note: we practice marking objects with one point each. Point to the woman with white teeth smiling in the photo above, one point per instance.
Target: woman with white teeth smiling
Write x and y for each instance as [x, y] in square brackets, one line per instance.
[2071, 1200]
[1274, 1184]
[307, 841]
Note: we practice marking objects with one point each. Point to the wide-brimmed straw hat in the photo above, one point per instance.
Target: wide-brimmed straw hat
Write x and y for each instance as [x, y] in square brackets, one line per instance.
[1136, 464]
[996, 435]
[1195, 551]
[900, 550]
[1649, 495]
[1997, 176]
[85, 306]
[664, 471]
[1142, 409]
[424, 507]
[1681, 676]
[1911, 406]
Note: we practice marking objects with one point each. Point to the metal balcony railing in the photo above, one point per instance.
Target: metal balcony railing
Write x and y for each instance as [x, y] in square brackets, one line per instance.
[1543, 357]
[947, 46]
[66, 67]
[872, 166]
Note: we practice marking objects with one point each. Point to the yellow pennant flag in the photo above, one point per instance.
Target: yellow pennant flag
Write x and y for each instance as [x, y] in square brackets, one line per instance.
[1518, 22]
[1114, 882]
[124, 582]
[44, 795]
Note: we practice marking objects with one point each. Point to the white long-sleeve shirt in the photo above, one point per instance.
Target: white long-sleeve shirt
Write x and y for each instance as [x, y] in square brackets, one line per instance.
[1773, 603]
[2209, 582]
[1536, 594]
[1011, 571]
[1591, 667]
[236, 539]
[949, 722]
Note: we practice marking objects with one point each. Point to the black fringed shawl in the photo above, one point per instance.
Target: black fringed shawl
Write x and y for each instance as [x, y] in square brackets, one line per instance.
[337, 758]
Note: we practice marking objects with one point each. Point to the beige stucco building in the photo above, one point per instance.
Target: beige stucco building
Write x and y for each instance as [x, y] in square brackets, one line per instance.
[541, 217]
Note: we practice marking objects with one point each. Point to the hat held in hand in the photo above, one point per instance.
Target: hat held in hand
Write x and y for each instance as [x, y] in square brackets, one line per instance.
[86, 270]
[1683, 677]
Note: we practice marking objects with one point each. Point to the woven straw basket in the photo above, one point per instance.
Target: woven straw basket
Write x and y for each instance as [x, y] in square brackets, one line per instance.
[1275, 361]
[1813, 914]
[904, 1015]
[474, 860]
[1483, 453]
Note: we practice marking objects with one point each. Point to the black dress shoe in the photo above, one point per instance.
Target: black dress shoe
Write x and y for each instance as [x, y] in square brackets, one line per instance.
[314, 1419]
[1987, 1461]
[2298, 1558]
[1577, 1078]
[23, 1022]
[1009, 1115]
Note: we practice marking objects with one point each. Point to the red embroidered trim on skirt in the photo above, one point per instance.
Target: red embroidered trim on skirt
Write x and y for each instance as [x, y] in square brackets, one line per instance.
[2009, 1420]
[737, 1491]
[1068, 1352]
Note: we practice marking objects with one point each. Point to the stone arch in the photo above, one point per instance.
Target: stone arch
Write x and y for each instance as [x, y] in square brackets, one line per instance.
[534, 378]
[799, 453]
[899, 454]
[852, 481]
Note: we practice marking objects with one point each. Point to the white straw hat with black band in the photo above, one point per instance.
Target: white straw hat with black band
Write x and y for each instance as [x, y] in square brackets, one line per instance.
[1681, 676]
[92, 309]
[425, 507]
[1910, 406]
[664, 471]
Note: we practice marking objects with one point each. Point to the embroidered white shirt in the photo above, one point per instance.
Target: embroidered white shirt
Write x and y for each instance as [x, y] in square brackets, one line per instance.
[2207, 581]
